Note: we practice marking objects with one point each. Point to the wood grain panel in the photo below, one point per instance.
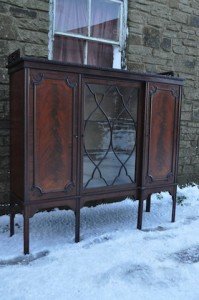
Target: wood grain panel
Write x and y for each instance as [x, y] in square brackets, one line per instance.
[53, 133]
[162, 129]
[17, 133]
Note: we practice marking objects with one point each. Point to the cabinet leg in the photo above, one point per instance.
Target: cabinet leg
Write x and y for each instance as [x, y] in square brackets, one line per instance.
[12, 218]
[148, 204]
[173, 207]
[77, 226]
[77, 221]
[140, 213]
[26, 231]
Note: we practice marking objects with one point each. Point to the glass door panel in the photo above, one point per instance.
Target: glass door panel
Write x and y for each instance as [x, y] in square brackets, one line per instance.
[110, 117]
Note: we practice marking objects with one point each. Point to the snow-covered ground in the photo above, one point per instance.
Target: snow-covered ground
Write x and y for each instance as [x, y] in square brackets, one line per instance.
[114, 260]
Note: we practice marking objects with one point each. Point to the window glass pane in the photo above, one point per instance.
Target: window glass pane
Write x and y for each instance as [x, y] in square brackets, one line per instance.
[105, 19]
[100, 55]
[68, 49]
[71, 16]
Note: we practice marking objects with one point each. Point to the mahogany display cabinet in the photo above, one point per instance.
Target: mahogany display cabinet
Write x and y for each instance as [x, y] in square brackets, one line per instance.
[81, 133]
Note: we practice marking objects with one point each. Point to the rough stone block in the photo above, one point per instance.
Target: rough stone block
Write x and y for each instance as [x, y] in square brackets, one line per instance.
[188, 30]
[190, 63]
[8, 28]
[179, 17]
[21, 13]
[38, 5]
[186, 116]
[178, 50]
[136, 67]
[135, 29]
[190, 43]
[140, 50]
[194, 21]
[3, 8]
[136, 17]
[4, 151]
[152, 37]
[144, 7]
[196, 112]
[157, 22]
[135, 39]
[33, 37]
[173, 27]
[161, 11]
[174, 3]
[186, 8]
[166, 44]
[3, 75]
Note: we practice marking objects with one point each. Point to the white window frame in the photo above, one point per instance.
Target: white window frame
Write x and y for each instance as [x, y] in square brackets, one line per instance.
[118, 46]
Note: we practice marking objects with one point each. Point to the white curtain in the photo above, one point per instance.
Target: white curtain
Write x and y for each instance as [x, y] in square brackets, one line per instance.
[72, 17]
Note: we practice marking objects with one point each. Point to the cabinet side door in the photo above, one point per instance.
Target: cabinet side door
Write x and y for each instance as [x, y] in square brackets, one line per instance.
[53, 134]
[162, 132]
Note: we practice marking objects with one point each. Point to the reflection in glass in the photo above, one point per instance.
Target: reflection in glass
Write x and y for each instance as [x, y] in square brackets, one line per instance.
[110, 115]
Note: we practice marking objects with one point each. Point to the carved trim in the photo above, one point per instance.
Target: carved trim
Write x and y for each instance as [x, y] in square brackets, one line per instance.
[69, 186]
[67, 189]
[169, 176]
[153, 90]
[38, 78]
[149, 178]
[175, 93]
[70, 84]
[37, 188]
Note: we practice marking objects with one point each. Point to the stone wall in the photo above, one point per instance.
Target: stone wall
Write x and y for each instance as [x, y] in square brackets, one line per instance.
[163, 36]
[24, 25]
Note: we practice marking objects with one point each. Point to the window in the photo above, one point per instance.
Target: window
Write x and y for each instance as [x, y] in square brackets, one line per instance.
[88, 32]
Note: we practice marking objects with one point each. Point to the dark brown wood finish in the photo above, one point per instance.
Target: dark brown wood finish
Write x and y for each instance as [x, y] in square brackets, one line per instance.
[161, 141]
[52, 155]
[17, 133]
[47, 137]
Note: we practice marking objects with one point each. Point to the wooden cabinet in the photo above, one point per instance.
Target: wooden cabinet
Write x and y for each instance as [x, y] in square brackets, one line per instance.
[80, 134]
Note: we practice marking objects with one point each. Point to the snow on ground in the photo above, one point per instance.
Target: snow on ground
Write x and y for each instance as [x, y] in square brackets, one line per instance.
[113, 260]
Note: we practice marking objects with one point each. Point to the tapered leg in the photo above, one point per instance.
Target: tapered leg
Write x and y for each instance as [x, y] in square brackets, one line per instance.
[26, 231]
[173, 207]
[12, 218]
[148, 204]
[77, 221]
[140, 213]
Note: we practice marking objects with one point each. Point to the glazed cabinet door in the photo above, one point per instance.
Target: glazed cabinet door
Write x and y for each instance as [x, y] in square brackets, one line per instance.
[161, 133]
[110, 133]
[52, 134]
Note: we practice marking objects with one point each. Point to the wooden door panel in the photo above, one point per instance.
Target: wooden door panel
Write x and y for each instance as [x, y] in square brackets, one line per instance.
[54, 143]
[161, 132]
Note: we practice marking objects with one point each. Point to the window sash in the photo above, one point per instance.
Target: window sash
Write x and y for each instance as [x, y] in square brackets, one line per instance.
[118, 46]
[85, 37]
[79, 36]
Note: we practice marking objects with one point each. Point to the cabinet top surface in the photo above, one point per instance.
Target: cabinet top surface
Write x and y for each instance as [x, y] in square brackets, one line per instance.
[16, 62]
